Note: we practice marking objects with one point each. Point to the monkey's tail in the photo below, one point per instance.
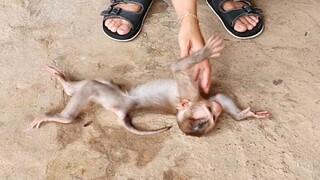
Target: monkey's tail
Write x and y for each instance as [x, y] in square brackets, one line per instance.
[127, 124]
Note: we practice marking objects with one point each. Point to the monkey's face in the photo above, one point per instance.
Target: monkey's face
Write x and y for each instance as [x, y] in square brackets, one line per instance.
[197, 118]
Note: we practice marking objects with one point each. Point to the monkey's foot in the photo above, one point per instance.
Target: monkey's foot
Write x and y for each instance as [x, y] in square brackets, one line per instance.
[36, 123]
[248, 113]
[55, 73]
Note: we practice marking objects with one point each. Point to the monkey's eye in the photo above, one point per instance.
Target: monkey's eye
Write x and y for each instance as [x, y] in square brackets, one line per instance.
[199, 127]
[209, 109]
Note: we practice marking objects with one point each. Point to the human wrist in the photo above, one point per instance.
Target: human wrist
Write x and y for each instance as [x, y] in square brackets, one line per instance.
[189, 17]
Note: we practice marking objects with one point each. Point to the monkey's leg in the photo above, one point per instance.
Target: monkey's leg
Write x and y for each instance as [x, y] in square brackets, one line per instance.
[76, 104]
[55, 118]
[229, 106]
[68, 87]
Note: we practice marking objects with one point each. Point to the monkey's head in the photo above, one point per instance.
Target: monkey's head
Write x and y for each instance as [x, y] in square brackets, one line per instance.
[197, 118]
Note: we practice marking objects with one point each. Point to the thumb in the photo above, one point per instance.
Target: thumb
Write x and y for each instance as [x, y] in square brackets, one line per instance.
[205, 77]
[205, 85]
[184, 48]
[196, 72]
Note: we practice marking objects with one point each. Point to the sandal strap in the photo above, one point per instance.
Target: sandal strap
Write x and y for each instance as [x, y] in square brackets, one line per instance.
[128, 1]
[246, 1]
[139, 2]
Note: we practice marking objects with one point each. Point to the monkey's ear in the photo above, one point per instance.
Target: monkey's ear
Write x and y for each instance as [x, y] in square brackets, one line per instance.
[183, 104]
[217, 108]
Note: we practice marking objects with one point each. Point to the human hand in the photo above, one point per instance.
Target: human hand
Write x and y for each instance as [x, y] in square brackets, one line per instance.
[191, 40]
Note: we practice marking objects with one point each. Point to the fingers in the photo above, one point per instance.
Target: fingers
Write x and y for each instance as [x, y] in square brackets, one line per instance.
[259, 114]
[262, 114]
[54, 73]
[247, 110]
[204, 79]
[196, 73]
[212, 42]
[205, 82]
[218, 42]
[51, 70]
[36, 123]
[202, 72]
[184, 48]
[215, 44]
[217, 51]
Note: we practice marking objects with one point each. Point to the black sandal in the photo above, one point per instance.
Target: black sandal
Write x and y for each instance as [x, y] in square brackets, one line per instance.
[228, 18]
[136, 19]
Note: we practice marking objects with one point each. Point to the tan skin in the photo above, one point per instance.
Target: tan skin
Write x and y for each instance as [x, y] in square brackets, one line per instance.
[189, 25]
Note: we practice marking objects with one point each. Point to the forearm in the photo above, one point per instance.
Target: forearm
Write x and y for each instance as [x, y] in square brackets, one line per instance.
[191, 40]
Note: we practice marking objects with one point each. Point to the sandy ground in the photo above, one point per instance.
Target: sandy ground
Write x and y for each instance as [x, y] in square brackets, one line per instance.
[278, 71]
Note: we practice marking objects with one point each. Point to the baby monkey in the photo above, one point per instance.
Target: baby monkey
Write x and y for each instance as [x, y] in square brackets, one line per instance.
[179, 96]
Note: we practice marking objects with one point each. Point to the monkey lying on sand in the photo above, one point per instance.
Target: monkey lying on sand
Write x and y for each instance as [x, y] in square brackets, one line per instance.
[195, 115]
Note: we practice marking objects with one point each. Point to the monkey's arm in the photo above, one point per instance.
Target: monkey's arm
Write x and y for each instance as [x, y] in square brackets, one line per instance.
[229, 106]
[188, 88]
[213, 48]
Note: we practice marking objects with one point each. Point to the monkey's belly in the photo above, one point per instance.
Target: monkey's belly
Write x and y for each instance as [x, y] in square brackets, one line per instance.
[157, 94]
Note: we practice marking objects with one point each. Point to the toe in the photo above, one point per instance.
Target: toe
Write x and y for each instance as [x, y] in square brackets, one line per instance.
[113, 26]
[120, 26]
[240, 26]
[110, 24]
[123, 29]
[246, 23]
[255, 18]
[251, 21]
[107, 22]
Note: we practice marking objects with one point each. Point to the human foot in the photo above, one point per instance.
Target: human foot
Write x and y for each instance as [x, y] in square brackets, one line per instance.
[119, 25]
[243, 23]
[123, 21]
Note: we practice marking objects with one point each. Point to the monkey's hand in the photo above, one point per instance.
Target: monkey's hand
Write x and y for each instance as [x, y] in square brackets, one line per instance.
[248, 113]
[214, 47]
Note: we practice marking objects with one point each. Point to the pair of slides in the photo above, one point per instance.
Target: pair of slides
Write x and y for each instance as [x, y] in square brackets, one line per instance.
[136, 19]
